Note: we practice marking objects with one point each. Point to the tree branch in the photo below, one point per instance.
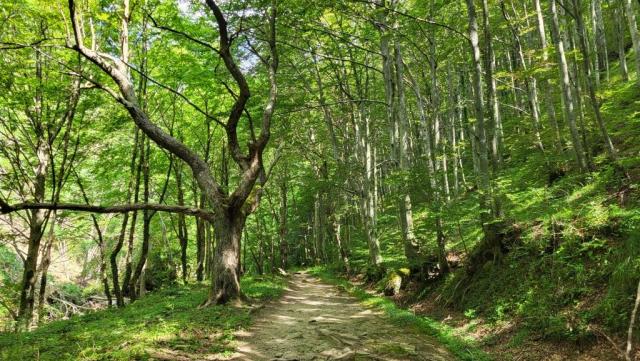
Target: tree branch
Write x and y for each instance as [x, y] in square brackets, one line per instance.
[177, 93]
[181, 33]
[255, 167]
[123, 208]
[13, 313]
[238, 76]
[119, 75]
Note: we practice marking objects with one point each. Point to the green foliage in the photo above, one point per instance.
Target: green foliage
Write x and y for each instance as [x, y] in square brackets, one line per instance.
[161, 271]
[72, 292]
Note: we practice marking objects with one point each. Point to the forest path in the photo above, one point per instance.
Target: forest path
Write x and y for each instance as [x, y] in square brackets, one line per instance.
[317, 321]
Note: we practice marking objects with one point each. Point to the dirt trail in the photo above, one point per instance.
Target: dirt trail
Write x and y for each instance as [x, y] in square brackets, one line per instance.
[316, 321]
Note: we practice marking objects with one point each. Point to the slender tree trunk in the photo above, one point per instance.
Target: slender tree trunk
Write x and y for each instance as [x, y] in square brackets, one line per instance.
[337, 233]
[578, 83]
[495, 128]
[200, 248]
[142, 284]
[567, 96]
[282, 223]
[44, 265]
[134, 179]
[530, 82]
[128, 271]
[492, 240]
[406, 213]
[620, 35]
[546, 86]
[591, 87]
[452, 133]
[375, 258]
[37, 218]
[146, 225]
[103, 264]
[601, 51]
[182, 226]
[442, 128]
[365, 153]
[128, 262]
[633, 29]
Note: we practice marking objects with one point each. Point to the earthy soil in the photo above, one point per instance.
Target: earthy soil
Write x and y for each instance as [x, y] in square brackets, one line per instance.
[316, 321]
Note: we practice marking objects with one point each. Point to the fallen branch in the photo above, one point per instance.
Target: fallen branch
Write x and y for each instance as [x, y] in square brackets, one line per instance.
[616, 347]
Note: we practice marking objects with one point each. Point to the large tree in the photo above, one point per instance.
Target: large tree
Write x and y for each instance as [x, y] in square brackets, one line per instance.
[227, 209]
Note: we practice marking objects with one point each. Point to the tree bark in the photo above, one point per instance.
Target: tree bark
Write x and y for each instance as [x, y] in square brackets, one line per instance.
[622, 51]
[134, 217]
[495, 128]
[146, 224]
[44, 266]
[633, 29]
[433, 191]
[282, 223]
[530, 81]
[567, 96]
[134, 179]
[591, 87]
[484, 186]
[182, 226]
[37, 217]
[200, 248]
[546, 86]
[226, 281]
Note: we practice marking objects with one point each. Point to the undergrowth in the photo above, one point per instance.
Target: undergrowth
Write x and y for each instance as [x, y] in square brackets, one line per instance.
[168, 320]
[575, 264]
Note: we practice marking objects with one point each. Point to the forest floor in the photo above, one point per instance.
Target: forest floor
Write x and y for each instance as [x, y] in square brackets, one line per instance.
[481, 339]
[317, 321]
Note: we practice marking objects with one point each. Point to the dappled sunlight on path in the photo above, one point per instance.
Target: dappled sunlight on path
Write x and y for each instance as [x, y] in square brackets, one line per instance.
[316, 321]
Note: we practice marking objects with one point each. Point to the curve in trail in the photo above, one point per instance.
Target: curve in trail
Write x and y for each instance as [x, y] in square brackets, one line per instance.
[316, 321]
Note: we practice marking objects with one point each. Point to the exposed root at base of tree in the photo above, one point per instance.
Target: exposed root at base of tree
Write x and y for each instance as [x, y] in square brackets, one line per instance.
[241, 300]
[499, 240]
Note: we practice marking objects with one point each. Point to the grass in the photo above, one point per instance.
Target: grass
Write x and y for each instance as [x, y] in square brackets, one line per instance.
[167, 321]
[463, 348]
